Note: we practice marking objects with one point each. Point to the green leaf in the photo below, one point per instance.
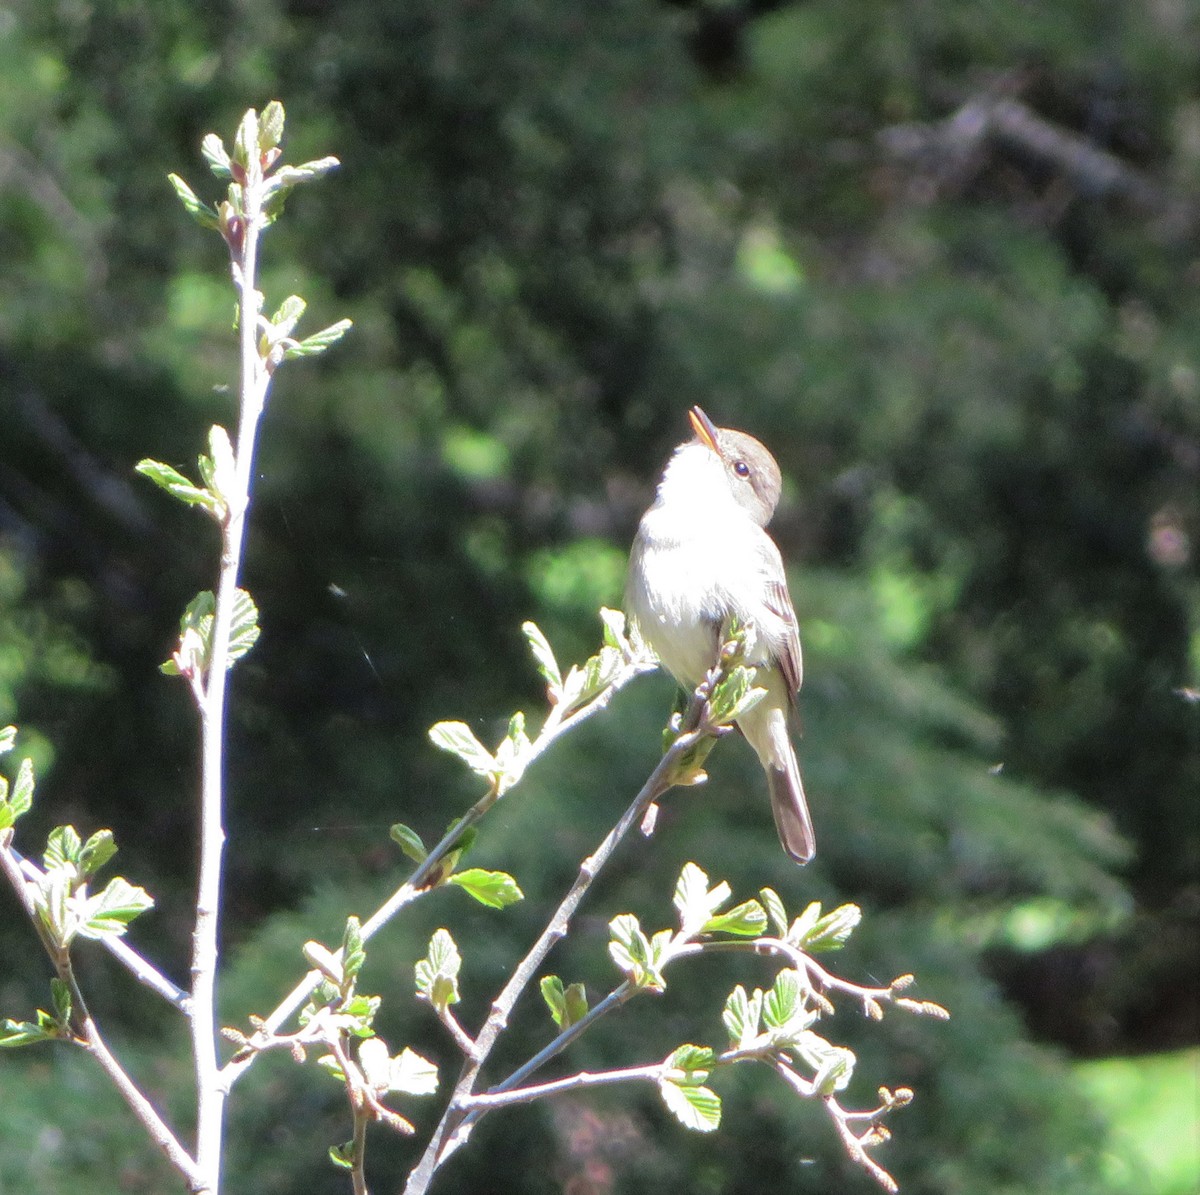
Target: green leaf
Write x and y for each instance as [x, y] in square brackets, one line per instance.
[634, 954]
[288, 316]
[204, 215]
[8, 736]
[245, 142]
[243, 629]
[735, 696]
[555, 997]
[96, 852]
[217, 470]
[803, 924]
[741, 1016]
[376, 1064]
[614, 628]
[775, 910]
[60, 994]
[437, 972]
[459, 739]
[358, 1014]
[513, 752]
[696, 1062]
[109, 913]
[14, 1034]
[216, 155]
[696, 1108]
[63, 848]
[353, 954]
[270, 126]
[832, 931]
[691, 897]
[196, 628]
[413, 1075]
[543, 655]
[318, 342]
[784, 1007]
[833, 1065]
[747, 920]
[577, 1004]
[496, 889]
[178, 486]
[20, 800]
[342, 1156]
[409, 841]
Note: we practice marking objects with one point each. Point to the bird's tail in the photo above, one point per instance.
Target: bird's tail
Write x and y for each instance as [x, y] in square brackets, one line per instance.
[768, 734]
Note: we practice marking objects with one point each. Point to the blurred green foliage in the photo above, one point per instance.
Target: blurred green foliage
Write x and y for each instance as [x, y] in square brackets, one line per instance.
[556, 227]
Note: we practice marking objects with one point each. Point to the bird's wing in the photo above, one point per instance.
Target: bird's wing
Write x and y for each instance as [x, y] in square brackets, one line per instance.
[791, 662]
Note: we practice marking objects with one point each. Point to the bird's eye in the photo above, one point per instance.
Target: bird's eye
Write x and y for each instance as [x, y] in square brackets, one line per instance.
[741, 469]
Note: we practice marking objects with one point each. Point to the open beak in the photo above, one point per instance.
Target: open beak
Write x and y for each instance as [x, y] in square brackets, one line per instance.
[704, 428]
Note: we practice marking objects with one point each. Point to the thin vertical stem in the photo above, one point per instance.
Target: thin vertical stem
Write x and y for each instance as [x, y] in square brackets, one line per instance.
[211, 1089]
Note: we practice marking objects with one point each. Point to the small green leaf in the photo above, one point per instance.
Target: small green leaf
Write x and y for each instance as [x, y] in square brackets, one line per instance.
[543, 655]
[204, 215]
[318, 342]
[60, 994]
[832, 931]
[696, 1108]
[63, 848]
[14, 1034]
[614, 628]
[178, 486]
[437, 972]
[342, 1156]
[8, 736]
[376, 1064]
[784, 1007]
[577, 1004]
[243, 629]
[696, 1062]
[353, 954]
[409, 841]
[217, 469]
[270, 126]
[109, 913]
[288, 316]
[634, 954]
[96, 852]
[555, 997]
[496, 889]
[741, 1016]
[413, 1075]
[775, 910]
[691, 899]
[459, 739]
[734, 696]
[747, 920]
[217, 157]
[803, 924]
[20, 800]
[833, 1065]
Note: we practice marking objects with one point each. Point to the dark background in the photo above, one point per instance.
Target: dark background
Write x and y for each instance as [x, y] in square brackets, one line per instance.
[941, 257]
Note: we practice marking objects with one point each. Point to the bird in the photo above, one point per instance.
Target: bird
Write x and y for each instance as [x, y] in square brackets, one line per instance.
[701, 557]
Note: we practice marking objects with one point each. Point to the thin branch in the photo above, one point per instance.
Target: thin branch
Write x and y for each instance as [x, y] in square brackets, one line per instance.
[490, 1101]
[160, 1132]
[211, 1088]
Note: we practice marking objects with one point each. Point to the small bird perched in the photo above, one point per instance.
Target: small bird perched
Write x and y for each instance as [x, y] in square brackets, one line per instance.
[702, 556]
